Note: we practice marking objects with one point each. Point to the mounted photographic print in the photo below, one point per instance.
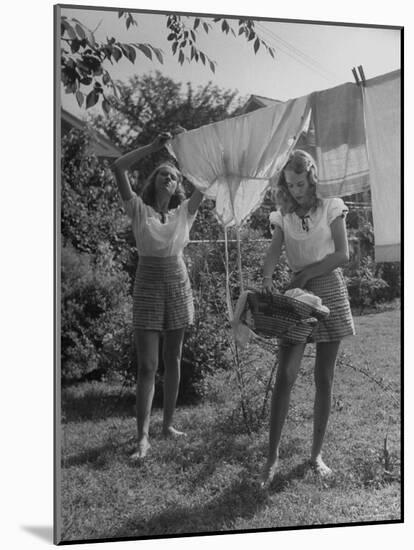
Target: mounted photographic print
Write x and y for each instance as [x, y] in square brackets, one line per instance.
[228, 274]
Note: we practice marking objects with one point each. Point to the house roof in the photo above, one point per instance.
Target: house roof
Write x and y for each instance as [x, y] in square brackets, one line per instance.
[257, 101]
[100, 144]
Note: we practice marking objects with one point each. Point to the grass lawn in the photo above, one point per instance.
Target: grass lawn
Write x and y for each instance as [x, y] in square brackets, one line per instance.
[209, 481]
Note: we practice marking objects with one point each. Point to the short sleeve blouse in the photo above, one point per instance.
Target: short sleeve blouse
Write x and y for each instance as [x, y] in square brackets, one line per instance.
[154, 238]
[309, 239]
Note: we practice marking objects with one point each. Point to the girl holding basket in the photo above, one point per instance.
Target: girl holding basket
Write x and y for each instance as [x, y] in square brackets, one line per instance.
[314, 234]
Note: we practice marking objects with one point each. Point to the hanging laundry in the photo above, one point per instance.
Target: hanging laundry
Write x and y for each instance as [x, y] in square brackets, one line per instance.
[382, 105]
[340, 145]
[233, 160]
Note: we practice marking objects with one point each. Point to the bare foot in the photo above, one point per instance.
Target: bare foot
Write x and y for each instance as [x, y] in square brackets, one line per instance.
[141, 452]
[268, 473]
[320, 467]
[172, 432]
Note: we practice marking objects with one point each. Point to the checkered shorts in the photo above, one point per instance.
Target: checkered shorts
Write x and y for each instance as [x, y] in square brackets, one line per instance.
[331, 288]
[162, 298]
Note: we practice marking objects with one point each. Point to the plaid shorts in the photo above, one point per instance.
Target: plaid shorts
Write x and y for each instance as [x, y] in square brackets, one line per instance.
[331, 288]
[162, 298]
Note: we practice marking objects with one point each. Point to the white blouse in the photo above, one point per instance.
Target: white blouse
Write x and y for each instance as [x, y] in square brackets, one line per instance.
[309, 239]
[154, 238]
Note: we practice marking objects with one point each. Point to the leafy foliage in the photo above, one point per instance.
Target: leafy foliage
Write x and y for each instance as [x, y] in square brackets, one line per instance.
[84, 58]
[154, 103]
[96, 307]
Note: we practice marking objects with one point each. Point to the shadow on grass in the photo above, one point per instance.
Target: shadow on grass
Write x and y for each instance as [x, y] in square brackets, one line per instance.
[97, 405]
[281, 481]
[242, 500]
[97, 457]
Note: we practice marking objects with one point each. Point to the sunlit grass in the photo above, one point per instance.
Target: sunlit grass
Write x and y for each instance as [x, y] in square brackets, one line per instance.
[208, 481]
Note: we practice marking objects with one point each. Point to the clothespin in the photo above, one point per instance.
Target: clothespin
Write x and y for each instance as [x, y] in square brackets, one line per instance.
[354, 72]
[361, 74]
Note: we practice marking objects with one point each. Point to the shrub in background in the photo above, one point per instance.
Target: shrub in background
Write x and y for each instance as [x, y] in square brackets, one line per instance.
[95, 314]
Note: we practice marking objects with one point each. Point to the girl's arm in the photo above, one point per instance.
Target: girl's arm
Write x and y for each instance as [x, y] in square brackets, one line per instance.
[331, 261]
[123, 164]
[195, 201]
[272, 258]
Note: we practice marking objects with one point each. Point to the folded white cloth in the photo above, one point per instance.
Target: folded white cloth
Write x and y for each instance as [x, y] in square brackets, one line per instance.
[307, 298]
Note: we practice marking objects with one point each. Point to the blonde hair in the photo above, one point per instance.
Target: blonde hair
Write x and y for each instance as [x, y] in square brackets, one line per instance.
[299, 161]
[148, 192]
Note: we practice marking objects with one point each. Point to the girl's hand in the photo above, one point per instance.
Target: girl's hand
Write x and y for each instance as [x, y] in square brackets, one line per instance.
[299, 280]
[267, 285]
[161, 140]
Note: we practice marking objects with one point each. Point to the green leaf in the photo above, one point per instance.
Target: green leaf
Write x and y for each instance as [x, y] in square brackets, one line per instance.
[92, 99]
[79, 98]
[131, 54]
[171, 36]
[196, 23]
[106, 106]
[181, 57]
[145, 50]
[80, 31]
[158, 54]
[106, 79]
[69, 30]
[117, 53]
[174, 47]
[256, 45]
[121, 13]
[205, 27]
[75, 45]
[88, 35]
[203, 58]
[212, 66]
[86, 80]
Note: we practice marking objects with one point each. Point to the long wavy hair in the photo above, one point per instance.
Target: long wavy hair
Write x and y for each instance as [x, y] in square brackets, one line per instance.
[299, 161]
[149, 195]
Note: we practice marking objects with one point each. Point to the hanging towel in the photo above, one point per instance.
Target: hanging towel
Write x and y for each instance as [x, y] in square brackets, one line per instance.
[382, 105]
[232, 161]
[341, 156]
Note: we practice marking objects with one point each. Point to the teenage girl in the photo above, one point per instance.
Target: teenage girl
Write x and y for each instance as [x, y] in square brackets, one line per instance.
[162, 299]
[314, 235]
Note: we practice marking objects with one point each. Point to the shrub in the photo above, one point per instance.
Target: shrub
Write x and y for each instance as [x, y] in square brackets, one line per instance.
[364, 288]
[95, 314]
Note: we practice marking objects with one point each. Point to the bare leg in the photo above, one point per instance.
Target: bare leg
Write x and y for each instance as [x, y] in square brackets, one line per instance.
[290, 358]
[326, 353]
[146, 342]
[172, 350]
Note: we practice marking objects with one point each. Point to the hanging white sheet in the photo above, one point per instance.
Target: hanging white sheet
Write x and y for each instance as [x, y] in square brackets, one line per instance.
[233, 160]
[382, 106]
[341, 155]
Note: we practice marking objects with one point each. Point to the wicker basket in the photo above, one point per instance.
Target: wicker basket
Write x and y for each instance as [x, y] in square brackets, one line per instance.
[279, 316]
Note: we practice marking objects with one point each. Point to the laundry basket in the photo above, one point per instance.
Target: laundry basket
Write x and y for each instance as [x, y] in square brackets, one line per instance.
[279, 316]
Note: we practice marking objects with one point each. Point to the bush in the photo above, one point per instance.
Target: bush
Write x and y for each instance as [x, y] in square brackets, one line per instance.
[95, 314]
[364, 287]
